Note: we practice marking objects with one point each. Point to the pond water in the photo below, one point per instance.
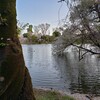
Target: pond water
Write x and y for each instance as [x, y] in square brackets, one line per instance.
[64, 72]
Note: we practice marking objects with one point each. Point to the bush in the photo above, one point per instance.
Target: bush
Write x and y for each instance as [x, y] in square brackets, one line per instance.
[56, 33]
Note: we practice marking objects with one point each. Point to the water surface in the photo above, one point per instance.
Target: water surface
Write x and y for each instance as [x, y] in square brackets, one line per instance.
[62, 72]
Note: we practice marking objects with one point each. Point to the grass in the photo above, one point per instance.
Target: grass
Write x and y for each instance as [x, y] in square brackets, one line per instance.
[50, 95]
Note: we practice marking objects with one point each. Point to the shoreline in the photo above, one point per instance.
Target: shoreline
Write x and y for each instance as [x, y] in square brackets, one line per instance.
[48, 94]
[77, 96]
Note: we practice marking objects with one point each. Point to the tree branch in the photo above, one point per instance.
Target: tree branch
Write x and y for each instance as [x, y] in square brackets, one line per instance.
[88, 50]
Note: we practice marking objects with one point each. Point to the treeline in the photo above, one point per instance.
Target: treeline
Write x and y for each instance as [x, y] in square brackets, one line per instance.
[36, 34]
[33, 39]
[40, 39]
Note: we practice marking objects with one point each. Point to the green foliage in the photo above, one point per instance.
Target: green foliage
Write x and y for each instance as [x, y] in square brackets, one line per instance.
[29, 29]
[49, 95]
[67, 98]
[3, 44]
[34, 39]
[25, 35]
[56, 33]
[45, 38]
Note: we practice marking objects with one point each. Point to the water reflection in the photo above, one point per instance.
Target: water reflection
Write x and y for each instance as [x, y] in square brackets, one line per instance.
[85, 74]
[62, 72]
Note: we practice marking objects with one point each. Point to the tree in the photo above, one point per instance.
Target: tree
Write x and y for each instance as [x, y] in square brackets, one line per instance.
[43, 28]
[84, 18]
[15, 81]
[34, 39]
[36, 30]
[29, 33]
[25, 35]
[21, 27]
[29, 29]
[56, 33]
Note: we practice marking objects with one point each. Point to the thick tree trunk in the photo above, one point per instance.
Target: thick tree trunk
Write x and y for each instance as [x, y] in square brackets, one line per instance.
[15, 81]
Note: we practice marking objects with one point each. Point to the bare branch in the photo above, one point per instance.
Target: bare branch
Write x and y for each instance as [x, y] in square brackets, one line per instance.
[85, 49]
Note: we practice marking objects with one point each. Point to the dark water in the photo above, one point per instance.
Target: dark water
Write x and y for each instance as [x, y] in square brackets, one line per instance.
[63, 72]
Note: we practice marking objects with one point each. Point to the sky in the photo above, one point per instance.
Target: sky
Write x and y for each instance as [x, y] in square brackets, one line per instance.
[36, 12]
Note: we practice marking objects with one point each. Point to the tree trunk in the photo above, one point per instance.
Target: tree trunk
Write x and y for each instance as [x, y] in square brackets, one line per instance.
[15, 81]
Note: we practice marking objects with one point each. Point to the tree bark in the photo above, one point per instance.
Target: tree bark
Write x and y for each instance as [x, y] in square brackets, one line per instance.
[15, 81]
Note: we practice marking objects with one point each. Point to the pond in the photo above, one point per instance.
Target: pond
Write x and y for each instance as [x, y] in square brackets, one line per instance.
[64, 72]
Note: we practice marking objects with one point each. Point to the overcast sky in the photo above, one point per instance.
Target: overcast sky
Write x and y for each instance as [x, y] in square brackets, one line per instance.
[40, 11]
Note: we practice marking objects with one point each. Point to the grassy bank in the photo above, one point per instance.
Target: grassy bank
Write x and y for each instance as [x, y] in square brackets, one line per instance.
[41, 94]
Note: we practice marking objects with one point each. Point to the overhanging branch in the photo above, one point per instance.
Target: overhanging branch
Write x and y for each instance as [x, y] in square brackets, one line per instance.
[85, 49]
